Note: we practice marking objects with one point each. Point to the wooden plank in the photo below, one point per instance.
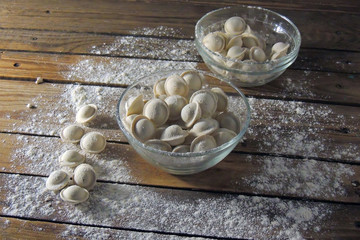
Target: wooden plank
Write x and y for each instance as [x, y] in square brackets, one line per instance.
[179, 211]
[293, 84]
[277, 127]
[306, 5]
[237, 173]
[147, 17]
[167, 49]
[14, 228]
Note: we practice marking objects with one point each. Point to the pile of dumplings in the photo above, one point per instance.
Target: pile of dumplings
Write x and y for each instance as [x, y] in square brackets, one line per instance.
[75, 186]
[183, 116]
[238, 41]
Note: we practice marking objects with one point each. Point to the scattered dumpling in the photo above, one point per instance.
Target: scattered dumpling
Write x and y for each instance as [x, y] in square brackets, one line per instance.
[93, 142]
[71, 158]
[74, 194]
[72, 133]
[57, 180]
[85, 176]
[86, 113]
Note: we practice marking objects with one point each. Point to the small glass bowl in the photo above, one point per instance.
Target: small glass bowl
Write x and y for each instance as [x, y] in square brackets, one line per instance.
[191, 162]
[271, 26]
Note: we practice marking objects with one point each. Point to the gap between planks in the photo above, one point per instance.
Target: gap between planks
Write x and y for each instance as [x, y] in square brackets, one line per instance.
[154, 48]
[19, 227]
[337, 125]
[112, 18]
[233, 175]
[340, 217]
[293, 84]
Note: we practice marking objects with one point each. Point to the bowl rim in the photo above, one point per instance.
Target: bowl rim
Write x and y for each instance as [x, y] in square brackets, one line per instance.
[188, 154]
[289, 58]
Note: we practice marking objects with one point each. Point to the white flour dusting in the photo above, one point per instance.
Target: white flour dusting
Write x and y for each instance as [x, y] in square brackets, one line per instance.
[148, 47]
[159, 31]
[181, 211]
[40, 156]
[74, 232]
[120, 71]
[300, 129]
[277, 127]
[302, 178]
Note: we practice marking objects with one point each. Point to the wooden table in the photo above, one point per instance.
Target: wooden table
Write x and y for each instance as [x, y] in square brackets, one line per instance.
[296, 174]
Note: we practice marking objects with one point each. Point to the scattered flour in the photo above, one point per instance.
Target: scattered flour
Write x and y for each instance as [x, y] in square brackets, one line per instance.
[148, 47]
[302, 178]
[120, 71]
[299, 129]
[73, 232]
[299, 88]
[159, 31]
[40, 156]
[181, 211]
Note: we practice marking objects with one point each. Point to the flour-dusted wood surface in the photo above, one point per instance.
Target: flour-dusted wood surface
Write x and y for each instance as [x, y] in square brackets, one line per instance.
[296, 174]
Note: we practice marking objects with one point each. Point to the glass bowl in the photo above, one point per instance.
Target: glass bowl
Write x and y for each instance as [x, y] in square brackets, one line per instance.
[270, 26]
[191, 162]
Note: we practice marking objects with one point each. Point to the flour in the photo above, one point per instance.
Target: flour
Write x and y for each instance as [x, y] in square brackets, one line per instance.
[303, 178]
[40, 156]
[159, 31]
[147, 47]
[73, 232]
[276, 127]
[298, 128]
[120, 71]
[189, 212]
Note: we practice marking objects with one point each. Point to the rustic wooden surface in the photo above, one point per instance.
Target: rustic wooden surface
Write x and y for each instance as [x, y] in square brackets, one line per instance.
[47, 38]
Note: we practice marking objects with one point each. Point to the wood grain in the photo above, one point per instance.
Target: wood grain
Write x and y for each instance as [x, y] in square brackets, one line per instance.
[277, 127]
[155, 48]
[237, 173]
[297, 168]
[293, 84]
[306, 5]
[131, 18]
[14, 229]
[138, 207]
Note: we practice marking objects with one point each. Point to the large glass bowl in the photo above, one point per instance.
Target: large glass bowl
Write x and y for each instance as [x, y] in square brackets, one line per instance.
[191, 162]
[270, 26]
